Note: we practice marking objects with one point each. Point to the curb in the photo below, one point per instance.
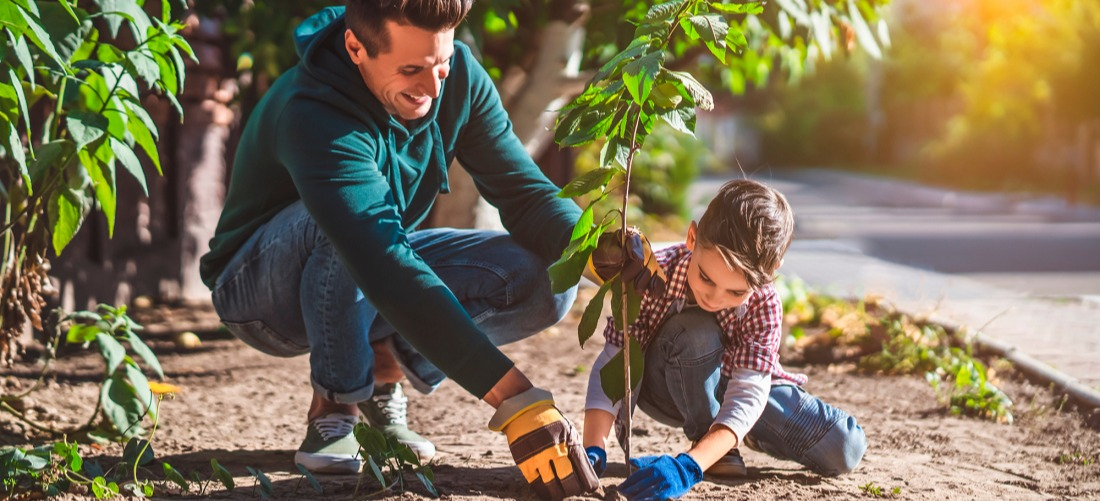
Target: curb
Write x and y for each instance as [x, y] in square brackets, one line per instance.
[1084, 397]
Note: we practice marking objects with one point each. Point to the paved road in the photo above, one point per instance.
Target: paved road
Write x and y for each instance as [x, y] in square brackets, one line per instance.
[1026, 272]
[1041, 247]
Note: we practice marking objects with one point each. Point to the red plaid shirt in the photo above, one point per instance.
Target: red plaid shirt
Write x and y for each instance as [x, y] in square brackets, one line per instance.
[754, 329]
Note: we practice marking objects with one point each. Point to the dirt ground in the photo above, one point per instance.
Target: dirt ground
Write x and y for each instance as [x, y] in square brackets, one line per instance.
[248, 409]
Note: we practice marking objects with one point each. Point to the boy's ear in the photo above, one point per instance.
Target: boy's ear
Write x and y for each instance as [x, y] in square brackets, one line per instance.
[690, 240]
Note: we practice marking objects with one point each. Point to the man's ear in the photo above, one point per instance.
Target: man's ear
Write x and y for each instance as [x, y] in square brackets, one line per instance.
[355, 49]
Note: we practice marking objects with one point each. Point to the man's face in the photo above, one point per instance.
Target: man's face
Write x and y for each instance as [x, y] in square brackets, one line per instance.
[714, 286]
[408, 77]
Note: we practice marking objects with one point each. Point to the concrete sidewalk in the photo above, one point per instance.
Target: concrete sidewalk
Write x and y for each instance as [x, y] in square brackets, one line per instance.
[1063, 336]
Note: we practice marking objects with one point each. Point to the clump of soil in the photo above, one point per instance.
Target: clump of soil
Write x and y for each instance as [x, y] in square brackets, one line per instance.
[244, 409]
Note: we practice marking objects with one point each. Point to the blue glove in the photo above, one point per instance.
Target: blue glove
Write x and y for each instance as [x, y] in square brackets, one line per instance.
[661, 477]
[598, 457]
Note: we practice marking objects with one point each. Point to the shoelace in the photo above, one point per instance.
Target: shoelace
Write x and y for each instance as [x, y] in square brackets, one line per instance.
[394, 406]
[335, 426]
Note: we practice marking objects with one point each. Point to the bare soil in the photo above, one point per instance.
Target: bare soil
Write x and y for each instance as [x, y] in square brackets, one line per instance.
[248, 409]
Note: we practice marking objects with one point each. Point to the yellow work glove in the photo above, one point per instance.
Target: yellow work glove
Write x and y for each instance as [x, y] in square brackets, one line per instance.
[638, 264]
[545, 445]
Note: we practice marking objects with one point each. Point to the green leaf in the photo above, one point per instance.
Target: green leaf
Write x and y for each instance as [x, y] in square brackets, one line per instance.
[19, 45]
[145, 67]
[144, 136]
[611, 375]
[120, 405]
[141, 388]
[692, 89]
[567, 270]
[585, 183]
[376, 471]
[682, 119]
[736, 38]
[67, 210]
[80, 333]
[138, 451]
[116, 11]
[584, 224]
[612, 64]
[85, 127]
[711, 29]
[222, 474]
[404, 453]
[144, 352]
[592, 312]
[428, 484]
[615, 150]
[113, 352]
[66, 28]
[738, 8]
[663, 11]
[266, 488]
[102, 172]
[371, 440]
[167, 74]
[130, 162]
[309, 476]
[175, 477]
[15, 145]
[640, 74]
[21, 98]
[50, 156]
[40, 38]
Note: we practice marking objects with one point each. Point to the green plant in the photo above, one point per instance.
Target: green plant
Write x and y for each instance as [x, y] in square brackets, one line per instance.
[387, 461]
[84, 87]
[125, 396]
[1076, 458]
[874, 490]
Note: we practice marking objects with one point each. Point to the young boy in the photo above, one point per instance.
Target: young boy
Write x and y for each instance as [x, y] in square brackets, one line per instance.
[711, 339]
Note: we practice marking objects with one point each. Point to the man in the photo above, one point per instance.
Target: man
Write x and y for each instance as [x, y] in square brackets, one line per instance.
[316, 250]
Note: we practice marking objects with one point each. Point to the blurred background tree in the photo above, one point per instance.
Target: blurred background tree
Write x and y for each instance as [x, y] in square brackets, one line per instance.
[980, 94]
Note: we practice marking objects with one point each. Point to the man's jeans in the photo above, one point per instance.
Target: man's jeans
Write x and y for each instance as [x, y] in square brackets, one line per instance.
[683, 386]
[286, 292]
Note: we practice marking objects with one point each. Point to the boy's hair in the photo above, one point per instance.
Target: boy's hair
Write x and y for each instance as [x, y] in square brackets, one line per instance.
[751, 226]
[367, 18]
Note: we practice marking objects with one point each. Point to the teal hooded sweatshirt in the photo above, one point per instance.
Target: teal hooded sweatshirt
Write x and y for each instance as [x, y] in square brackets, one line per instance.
[319, 135]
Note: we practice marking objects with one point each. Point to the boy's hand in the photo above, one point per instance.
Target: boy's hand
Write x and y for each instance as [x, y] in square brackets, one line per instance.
[598, 457]
[661, 477]
[637, 263]
[545, 445]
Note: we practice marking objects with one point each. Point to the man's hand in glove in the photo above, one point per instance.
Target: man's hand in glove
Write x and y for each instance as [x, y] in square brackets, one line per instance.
[545, 445]
[661, 477]
[637, 263]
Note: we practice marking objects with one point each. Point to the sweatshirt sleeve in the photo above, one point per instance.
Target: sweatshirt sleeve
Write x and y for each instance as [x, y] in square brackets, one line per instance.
[339, 182]
[506, 175]
[596, 398]
[744, 401]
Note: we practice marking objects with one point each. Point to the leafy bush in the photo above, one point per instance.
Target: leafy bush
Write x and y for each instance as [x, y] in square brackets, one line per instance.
[72, 117]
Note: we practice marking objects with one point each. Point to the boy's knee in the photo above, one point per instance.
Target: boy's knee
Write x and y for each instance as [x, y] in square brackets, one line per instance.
[847, 444]
[703, 335]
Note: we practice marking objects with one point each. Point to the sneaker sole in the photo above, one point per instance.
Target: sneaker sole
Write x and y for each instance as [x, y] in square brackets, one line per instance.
[727, 471]
[327, 464]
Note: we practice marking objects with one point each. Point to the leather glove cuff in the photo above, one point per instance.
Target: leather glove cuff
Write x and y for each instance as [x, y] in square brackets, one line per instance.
[512, 407]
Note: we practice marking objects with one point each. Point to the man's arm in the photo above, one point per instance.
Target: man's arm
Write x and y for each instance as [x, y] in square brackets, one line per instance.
[504, 172]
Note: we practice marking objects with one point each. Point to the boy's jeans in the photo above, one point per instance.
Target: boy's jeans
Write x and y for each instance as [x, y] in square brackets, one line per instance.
[286, 292]
[683, 386]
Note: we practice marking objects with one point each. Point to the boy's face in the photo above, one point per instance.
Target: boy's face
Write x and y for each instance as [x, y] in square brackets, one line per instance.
[714, 286]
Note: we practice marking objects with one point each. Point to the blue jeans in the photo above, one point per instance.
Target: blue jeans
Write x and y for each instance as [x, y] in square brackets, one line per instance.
[682, 386]
[286, 292]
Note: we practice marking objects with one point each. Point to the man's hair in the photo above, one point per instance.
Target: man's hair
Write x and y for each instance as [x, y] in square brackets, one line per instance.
[751, 226]
[367, 18]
